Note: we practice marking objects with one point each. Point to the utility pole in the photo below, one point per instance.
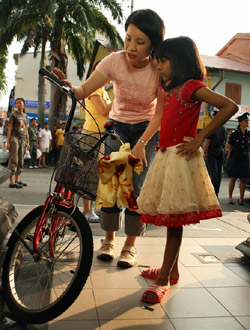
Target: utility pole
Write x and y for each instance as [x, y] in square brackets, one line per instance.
[132, 6]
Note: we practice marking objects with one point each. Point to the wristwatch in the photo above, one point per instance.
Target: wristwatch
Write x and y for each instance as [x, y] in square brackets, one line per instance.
[143, 142]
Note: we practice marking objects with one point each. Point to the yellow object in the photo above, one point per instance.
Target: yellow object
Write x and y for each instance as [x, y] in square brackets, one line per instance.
[89, 124]
[116, 183]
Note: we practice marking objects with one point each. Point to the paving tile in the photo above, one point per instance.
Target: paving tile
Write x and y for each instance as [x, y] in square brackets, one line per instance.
[143, 240]
[217, 323]
[148, 249]
[66, 325]
[219, 276]
[186, 241]
[149, 259]
[234, 240]
[156, 324]
[192, 249]
[210, 241]
[114, 278]
[193, 302]
[186, 280]
[78, 325]
[189, 260]
[245, 321]
[236, 300]
[43, 326]
[243, 271]
[124, 304]
[82, 309]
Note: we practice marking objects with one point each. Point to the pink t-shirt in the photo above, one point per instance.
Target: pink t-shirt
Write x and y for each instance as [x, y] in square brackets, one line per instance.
[135, 89]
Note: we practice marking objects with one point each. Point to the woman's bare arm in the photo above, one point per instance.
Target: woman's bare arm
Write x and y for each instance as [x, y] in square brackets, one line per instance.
[95, 81]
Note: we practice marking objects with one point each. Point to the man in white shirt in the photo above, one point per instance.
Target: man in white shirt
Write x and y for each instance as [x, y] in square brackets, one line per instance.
[45, 140]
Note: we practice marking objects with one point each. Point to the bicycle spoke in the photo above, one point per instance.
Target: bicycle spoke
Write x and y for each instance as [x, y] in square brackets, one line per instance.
[38, 281]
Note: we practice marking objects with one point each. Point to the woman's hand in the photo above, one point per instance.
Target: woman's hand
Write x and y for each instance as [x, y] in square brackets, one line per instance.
[139, 152]
[187, 149]
[60, 75]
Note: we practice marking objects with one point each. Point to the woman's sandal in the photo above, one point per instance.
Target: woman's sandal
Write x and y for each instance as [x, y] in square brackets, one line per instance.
[159, 291]
[152, 273]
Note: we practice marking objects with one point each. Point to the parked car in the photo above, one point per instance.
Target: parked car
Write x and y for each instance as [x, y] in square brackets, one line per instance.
[4, 153]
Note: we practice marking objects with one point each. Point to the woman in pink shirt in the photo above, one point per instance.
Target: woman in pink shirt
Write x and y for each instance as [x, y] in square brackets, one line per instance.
[137, 93]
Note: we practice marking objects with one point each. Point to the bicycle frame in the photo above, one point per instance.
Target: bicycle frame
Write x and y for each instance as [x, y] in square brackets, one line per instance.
[61, 195]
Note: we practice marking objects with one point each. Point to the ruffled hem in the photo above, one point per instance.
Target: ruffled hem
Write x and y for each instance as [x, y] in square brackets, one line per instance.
[176, 220]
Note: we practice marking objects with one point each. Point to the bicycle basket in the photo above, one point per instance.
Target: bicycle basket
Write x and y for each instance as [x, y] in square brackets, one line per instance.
[77, 170]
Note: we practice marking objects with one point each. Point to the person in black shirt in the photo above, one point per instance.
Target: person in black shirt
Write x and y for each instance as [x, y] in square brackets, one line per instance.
[238, 157]
[214, 154]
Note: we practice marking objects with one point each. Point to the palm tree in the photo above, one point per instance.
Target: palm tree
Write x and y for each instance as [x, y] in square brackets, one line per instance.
[70, 27]
[38, 37]
[76, 23]
[30, 22]
[3, 60]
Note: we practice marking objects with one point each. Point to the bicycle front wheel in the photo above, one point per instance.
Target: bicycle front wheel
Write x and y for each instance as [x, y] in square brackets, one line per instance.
[39, 287]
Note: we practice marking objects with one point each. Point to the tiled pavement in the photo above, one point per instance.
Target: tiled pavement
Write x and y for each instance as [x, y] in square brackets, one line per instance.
[209, 295]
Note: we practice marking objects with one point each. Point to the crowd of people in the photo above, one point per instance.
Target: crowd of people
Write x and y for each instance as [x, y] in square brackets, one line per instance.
[158, 86]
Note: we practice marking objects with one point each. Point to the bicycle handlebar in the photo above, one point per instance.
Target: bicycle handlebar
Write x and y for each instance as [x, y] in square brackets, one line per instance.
[109, 127]
[50, 76]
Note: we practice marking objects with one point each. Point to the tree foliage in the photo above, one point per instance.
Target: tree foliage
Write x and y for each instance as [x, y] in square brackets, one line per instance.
[3, 61]
[69, 26]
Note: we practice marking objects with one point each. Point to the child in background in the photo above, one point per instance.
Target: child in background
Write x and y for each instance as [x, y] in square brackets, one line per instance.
[60, 137]
[177, 190]
[45, 139]
[99, 106]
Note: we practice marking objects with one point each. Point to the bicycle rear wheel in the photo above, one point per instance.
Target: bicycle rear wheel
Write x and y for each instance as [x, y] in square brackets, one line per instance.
[39, 287]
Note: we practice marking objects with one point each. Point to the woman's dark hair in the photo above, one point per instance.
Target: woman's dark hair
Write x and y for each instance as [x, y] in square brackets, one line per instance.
[185, 60]
[150, 23]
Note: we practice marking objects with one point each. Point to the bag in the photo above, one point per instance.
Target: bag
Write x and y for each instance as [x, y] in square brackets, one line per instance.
[27, 154]
[38, 153]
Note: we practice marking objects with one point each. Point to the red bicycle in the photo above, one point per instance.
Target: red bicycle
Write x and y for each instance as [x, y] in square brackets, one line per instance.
[50, 252]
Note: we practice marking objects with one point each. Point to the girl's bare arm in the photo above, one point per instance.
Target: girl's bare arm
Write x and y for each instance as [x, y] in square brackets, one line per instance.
[153, 126]
[227, 108]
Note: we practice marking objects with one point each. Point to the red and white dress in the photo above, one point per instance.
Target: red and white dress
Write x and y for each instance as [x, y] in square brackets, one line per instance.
[178, 191]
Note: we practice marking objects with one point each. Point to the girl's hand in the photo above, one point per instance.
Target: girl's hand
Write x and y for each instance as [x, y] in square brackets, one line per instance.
[139, 152]
[187, 149]
[60, 75]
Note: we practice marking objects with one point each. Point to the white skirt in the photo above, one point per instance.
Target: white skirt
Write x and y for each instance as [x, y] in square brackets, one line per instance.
[177, 191]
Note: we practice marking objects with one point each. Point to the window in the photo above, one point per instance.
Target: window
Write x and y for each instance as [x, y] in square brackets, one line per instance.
[233, 91]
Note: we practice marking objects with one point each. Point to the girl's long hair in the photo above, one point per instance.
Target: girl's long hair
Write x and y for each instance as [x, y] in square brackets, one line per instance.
[185, 61]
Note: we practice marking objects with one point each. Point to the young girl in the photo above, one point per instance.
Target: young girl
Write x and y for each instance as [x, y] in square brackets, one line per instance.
[177, 190]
